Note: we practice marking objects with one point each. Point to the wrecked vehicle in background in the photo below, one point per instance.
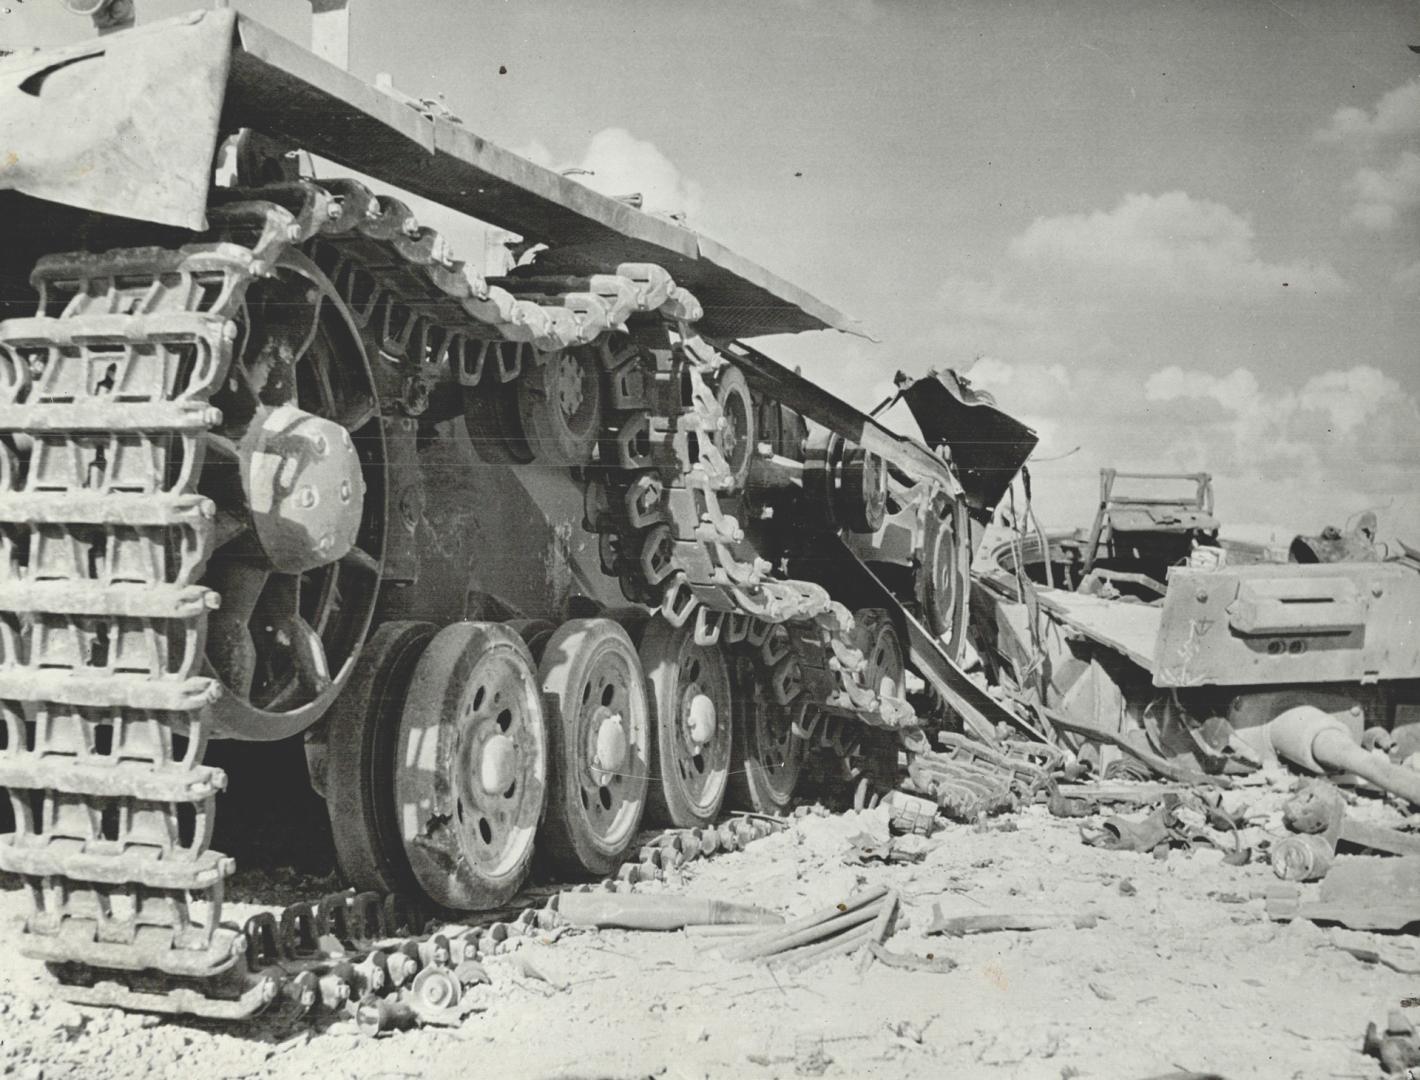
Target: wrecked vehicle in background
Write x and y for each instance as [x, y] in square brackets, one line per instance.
[1151, 645]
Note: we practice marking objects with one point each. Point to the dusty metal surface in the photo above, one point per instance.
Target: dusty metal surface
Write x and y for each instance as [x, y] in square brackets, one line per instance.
[1335, 622]
[126, 125]
[278, 87]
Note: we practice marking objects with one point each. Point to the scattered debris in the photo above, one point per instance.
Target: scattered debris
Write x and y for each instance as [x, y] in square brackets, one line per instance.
[842, 928]
[1304, 857]
[660, 912]
[1364, 893]
[961, 925]
[1396, 1048]
[866, 849]
[930, 963]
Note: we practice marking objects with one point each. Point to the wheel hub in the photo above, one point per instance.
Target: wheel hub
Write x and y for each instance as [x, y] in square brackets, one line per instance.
[569, 384]
[304, 487]
[611, 746]
[700, 717]
[498, 765]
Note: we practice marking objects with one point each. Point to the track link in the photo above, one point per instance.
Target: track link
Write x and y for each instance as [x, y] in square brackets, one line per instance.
[104, 397]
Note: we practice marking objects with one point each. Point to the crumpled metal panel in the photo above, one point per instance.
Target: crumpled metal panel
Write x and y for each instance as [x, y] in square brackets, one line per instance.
[988, 446]
[124, 125]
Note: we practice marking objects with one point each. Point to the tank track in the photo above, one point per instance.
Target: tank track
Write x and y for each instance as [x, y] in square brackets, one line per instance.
[106, 703]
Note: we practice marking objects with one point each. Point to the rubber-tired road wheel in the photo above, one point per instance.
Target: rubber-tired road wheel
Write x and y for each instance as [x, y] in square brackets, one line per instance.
[494, 425]
[362, 736]
[470, 778]
[559, 402]
[598, 720]
[690, 694]
[768, 755]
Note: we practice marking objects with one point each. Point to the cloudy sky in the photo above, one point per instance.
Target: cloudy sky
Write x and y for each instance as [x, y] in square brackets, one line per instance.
[1181, 236]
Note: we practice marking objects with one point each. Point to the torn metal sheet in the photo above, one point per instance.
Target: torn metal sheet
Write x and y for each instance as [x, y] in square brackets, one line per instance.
[987, 446]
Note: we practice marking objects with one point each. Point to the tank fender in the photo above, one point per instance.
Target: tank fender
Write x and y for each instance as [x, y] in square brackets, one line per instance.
[125, 124]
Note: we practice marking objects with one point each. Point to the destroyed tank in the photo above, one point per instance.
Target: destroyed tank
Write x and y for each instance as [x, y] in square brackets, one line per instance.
[1156, 646]
[523, 559]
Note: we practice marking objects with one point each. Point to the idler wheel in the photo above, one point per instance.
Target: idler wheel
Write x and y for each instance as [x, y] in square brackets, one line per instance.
[598, 718]
[690, 690]
[470, 775]
[297, 473]
[362, 740]
[768, 755]
[559, 402]
[304, 488]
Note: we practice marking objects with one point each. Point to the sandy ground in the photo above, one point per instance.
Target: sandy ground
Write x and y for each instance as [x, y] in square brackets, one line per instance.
[1183, 971]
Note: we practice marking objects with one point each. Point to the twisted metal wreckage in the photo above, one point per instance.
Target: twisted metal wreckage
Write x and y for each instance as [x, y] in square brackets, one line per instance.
[519, 557]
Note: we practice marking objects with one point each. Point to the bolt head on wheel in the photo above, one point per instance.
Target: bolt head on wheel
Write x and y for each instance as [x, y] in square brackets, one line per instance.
[470, 779]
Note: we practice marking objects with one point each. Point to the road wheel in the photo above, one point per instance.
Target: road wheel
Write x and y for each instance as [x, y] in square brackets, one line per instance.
[690, 695]
[560, 404]
[768, 755]
[598, 718]
[361, 736]
[470, 778]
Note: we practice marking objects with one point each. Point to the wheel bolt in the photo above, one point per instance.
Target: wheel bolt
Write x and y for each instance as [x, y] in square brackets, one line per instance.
[306, 497]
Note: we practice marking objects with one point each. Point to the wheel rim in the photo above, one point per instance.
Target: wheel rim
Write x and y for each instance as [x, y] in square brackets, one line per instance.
[470, 780]
[694, 722]
[494, 733]
[291, 622]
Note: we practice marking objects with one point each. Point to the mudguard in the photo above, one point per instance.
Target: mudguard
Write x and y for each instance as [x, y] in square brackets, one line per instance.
[125, 124]
[988, 447]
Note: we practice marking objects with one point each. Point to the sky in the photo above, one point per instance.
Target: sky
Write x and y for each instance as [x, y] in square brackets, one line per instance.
[1169, 236]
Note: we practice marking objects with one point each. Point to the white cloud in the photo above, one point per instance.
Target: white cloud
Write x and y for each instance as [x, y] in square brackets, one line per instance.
[1288, 456]
[1396, 113]
[1344, 426]
[1173, 243]
[1384, 195]
[618, 163]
